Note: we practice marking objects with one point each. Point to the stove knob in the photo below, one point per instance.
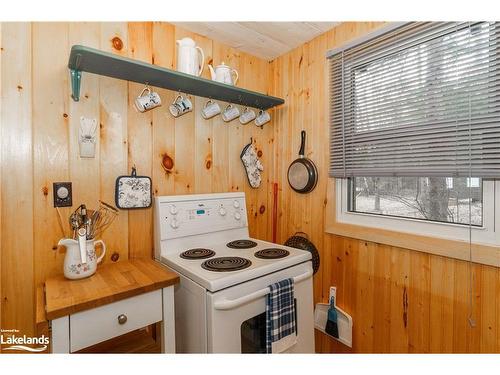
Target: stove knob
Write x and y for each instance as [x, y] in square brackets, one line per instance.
[222, 211]
[173, 210]
[237, 215]
[174, 224]
[236, 204]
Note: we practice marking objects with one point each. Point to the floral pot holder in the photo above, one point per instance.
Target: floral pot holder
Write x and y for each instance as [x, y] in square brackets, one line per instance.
[252, 164]
[133, 191]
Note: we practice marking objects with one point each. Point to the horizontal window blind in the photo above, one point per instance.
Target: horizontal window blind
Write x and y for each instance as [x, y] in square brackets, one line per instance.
[420, 100]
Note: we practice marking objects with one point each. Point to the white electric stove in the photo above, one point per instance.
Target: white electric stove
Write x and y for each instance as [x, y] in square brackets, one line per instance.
[220, 301]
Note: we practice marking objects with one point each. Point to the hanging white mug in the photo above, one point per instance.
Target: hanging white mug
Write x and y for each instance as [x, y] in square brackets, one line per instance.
[263, 118]
[180, 106]
[247, 116]
[210, 110]
[145, 102]
[230, 113]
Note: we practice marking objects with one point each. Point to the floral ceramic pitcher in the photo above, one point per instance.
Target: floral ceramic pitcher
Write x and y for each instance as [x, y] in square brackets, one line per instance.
[74, 268]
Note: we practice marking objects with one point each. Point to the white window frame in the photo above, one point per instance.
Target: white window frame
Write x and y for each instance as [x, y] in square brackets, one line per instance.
[487, 234]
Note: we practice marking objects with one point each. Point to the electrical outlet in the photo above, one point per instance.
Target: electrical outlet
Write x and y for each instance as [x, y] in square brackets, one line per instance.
[63, 196]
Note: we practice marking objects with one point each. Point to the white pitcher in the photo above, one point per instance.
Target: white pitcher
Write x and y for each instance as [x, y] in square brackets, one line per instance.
[190, 57]
[74, 268]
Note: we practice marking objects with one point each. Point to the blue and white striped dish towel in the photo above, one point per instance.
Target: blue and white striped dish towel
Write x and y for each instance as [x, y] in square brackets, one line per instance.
[280, 317]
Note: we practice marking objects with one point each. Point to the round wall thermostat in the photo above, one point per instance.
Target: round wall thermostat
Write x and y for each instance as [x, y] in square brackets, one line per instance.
[62, 192]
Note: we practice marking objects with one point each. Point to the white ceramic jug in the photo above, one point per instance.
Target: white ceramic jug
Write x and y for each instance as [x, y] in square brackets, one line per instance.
[74, 268]
[224, 74]
[190, 57]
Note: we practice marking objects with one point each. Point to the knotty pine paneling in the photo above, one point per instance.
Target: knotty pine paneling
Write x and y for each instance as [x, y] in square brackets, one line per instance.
[1, 168]
[17, 179]
[113, 136]
[39, 146]
[402, 301]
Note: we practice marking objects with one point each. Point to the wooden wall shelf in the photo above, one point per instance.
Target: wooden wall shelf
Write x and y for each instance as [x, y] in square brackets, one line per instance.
[86, 59]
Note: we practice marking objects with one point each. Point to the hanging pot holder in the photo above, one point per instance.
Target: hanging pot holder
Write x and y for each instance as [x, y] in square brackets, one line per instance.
[252, 164]
[133, 191]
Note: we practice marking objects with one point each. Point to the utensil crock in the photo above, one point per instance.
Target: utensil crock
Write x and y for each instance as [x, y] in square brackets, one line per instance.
[74, 268]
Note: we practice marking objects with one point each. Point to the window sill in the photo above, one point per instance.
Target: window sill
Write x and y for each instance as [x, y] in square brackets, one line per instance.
[483, 254]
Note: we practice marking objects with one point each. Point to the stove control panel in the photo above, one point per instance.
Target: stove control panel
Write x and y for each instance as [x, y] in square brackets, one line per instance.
[197, 216]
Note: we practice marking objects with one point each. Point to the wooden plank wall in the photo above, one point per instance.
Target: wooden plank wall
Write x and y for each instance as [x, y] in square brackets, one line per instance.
[1, 157]
[401, 300]
[39, 146]
[17, 179]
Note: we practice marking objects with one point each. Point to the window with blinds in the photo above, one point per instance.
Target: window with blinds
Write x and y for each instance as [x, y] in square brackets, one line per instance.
[420, 100]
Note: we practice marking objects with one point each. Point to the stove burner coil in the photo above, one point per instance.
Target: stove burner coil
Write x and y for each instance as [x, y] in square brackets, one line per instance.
[272, 253]
[241, 244]
[226, 264]
[198, 253]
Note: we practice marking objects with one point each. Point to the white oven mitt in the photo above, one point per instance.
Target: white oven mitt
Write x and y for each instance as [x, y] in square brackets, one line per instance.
[253, 166]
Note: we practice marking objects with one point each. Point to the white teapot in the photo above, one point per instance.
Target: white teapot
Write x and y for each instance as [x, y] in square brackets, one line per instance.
[224, 74]
[190, 57]
[74, 268]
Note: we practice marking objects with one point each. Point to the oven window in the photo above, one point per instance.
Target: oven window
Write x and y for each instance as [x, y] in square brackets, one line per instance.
[253, 334]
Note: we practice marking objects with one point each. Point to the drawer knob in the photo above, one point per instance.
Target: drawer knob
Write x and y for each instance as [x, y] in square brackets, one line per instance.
[122, 319]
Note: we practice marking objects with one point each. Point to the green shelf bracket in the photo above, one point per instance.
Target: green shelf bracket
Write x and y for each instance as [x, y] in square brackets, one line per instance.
[76, 80]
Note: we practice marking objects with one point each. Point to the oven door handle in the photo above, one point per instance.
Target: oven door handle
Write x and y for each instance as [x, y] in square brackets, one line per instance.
[228, 304]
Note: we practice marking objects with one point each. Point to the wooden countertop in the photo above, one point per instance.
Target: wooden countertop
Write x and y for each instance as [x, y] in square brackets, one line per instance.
[112, 282]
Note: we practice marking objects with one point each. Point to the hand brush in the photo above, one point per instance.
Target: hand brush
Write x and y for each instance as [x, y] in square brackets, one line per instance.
[332, 327]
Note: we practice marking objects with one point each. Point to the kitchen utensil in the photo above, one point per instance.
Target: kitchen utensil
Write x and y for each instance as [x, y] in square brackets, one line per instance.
[247, 116]
[230, 113]
[101, 219]
[132, 192]
[300, 241]
[82, 244]
[224, 74]
[302, 173]
[94, 222]
[180, 106]
[190, 57]
[78, 219]
[147, 100]
[210, 110]
[74, 267]
[262, 118]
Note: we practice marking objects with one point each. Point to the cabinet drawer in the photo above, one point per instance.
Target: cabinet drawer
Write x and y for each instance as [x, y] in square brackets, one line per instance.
[102, 323]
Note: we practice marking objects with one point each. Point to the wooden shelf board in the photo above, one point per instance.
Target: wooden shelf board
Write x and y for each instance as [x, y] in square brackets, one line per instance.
[86, 59]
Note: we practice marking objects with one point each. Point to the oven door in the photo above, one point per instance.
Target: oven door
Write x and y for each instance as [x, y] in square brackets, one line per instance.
[236, 316]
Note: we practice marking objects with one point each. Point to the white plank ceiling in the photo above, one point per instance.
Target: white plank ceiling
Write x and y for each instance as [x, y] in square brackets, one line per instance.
[266, 40]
